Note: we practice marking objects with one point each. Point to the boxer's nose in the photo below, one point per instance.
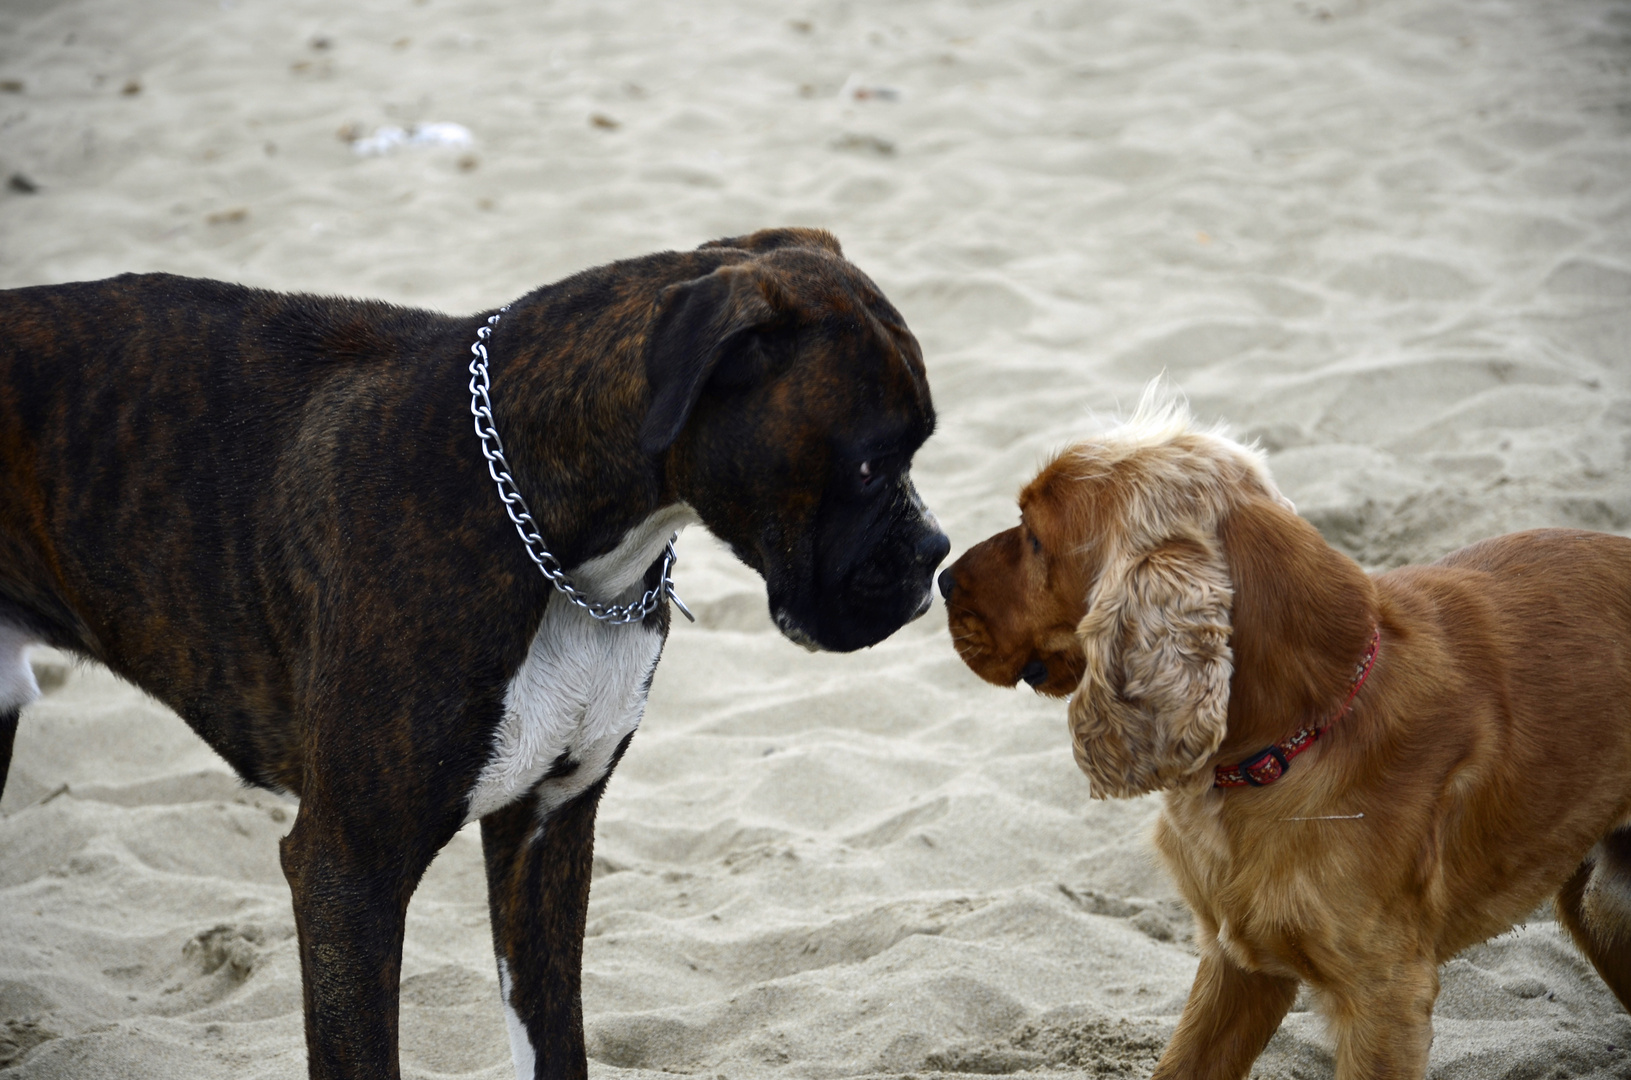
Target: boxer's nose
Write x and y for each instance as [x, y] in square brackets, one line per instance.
[948, 582]
[933, 548]
[1035, 673]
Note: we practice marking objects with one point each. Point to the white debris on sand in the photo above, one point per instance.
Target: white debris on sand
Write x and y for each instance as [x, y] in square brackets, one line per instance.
[390, 137]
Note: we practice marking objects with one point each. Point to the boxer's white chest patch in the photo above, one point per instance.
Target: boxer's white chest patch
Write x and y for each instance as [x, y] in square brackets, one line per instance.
[582, 688]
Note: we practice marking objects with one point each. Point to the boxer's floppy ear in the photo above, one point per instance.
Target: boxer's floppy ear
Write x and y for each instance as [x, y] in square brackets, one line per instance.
[1154, 702]
[696, 321]
[770, 239]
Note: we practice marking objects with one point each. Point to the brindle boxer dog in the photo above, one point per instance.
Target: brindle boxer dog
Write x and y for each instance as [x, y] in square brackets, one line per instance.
[271, 512]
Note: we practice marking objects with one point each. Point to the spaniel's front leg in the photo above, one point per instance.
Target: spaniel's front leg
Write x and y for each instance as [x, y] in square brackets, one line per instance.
[1231, 1015]
[1383, 1021]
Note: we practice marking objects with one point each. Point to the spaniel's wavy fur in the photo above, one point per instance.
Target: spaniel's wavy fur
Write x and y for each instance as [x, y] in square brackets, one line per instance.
[1159, 577]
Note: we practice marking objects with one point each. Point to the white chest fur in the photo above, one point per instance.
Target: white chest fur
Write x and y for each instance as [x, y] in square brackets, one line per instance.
[582, 688]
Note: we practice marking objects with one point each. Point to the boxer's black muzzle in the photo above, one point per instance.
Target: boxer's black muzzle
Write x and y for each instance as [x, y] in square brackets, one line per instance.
[871, 572]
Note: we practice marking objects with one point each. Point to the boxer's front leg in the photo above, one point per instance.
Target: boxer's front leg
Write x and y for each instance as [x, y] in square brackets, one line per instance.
[538, 870]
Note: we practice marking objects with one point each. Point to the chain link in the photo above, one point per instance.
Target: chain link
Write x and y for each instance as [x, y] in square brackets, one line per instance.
[498, 467]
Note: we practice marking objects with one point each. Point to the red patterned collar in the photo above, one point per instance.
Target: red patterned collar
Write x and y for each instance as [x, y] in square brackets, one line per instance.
[1269, 765]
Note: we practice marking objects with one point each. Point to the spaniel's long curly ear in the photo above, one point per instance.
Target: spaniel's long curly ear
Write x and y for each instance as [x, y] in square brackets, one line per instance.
[1154, 702]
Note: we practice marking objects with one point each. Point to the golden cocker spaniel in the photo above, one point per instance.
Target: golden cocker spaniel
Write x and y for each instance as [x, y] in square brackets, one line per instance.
[1363, 775]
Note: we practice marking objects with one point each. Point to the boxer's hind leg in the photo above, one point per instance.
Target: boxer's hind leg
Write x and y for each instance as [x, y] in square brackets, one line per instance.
[538, 869]
[374, 811]
[1594, 905]
[8, 733]
[351, 874]
[17, 688]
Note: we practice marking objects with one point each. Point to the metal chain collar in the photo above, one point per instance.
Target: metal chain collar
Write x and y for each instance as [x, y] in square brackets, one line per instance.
[492, 448]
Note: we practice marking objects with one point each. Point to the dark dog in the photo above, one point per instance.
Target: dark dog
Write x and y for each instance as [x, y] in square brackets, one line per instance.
[272, 513]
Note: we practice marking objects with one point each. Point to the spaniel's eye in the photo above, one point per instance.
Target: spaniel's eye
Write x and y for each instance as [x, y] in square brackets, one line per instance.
[866, 473]
[1036, 545]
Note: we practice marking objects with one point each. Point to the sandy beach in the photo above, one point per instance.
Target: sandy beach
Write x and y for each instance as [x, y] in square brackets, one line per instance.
[1389, 240]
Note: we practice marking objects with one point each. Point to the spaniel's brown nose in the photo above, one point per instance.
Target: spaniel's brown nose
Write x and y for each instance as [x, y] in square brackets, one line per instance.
[947, 583]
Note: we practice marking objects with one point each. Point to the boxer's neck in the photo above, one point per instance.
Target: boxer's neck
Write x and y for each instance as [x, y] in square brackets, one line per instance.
[568, 406]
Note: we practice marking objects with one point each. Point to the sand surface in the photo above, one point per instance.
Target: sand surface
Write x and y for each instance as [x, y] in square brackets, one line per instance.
[1391, 240]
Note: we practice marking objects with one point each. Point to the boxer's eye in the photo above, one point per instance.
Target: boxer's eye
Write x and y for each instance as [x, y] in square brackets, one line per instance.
[1036, 545]
[875, 474]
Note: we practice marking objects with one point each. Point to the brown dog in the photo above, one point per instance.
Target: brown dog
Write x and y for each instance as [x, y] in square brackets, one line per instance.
[1462, 731]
